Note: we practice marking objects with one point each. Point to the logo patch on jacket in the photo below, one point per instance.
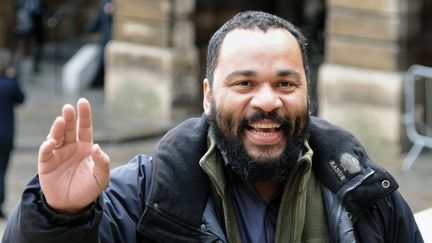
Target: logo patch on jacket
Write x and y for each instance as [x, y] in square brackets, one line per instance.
[346, 167]
[350, 163]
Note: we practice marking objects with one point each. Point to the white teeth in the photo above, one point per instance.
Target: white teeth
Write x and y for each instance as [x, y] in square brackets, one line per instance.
[265, 125]
[263, 134]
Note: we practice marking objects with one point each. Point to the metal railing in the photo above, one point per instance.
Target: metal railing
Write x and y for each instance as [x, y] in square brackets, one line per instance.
[60, 15]
[412, 122]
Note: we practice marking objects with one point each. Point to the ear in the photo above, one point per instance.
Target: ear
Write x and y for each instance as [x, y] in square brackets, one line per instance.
[207, 96]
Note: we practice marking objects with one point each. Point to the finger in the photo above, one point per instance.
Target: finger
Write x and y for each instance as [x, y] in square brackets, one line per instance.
[102, 166]
[57, 132]
[68, 114]
[85, 129]
[46, 150]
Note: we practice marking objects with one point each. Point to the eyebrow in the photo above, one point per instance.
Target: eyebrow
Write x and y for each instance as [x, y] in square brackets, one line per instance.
[246, 73]
[288, 72]
[249, 73]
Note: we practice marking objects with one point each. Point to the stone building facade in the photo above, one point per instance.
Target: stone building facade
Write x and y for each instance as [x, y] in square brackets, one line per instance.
[369, 45]
[152, 61]
[359, 53]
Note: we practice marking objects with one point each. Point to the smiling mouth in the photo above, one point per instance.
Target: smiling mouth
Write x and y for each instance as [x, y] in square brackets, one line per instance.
[264, 129]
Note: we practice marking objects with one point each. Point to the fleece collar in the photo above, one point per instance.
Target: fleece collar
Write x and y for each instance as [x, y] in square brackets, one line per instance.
[342, 165]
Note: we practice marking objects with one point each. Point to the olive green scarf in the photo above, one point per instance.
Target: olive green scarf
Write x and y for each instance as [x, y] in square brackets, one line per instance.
[301, 216]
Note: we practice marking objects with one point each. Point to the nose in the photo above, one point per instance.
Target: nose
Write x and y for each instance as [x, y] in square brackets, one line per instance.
[266, 99]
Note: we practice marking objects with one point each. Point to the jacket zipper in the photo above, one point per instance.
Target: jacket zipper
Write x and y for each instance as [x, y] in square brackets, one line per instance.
[357, 184]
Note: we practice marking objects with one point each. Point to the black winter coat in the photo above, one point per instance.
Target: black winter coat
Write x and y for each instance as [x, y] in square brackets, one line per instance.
[10, 95]
[165, 198]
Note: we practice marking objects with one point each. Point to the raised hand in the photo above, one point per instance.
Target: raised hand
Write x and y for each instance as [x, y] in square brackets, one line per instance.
[72, 170]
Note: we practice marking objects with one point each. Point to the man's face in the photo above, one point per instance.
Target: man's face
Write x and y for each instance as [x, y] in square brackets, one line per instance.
[259, 95]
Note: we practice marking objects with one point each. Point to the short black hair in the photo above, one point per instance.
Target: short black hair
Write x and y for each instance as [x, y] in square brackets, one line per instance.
[252, 20]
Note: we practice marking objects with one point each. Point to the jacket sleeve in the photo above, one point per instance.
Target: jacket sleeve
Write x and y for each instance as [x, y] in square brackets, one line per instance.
[389, 220]
[112, 218]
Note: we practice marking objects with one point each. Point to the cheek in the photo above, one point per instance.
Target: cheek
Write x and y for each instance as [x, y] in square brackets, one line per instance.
[228, 117]
[295, 104]
[232, 103]
[225, 122]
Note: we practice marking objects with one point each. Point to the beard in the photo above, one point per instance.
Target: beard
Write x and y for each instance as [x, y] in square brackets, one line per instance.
[228, 135]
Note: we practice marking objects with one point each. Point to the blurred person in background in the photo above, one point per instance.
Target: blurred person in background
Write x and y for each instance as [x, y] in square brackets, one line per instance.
[10, 95]
[102, 23]
[29, 31]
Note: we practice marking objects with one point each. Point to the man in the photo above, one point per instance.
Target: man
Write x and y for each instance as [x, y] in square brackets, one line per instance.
[11, 95]
[254, 168]
[29, 31]
[103, 24]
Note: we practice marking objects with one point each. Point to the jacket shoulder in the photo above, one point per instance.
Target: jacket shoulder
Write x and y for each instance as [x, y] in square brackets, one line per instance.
[342, 164]
[389, 220]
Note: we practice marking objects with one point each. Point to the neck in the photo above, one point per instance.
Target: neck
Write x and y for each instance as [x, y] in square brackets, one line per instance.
[266, 189]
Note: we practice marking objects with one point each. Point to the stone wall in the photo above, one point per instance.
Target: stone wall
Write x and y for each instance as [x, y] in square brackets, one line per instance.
[152, 62]
[6, 17]
[373, 34]
[369, 44]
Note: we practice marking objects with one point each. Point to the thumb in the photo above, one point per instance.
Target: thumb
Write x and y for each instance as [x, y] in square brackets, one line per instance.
[101, 166]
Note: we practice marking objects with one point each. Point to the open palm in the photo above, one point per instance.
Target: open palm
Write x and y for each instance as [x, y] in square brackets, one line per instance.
[72, 170]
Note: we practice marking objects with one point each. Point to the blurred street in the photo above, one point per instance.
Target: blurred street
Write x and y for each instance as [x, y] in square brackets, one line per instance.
[119, 135]
[123, 136]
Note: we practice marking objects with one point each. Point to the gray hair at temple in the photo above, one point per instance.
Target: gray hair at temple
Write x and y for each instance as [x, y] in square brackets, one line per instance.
[252, 20]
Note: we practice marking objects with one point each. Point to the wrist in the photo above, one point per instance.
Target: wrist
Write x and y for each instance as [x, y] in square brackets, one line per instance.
[64, 216]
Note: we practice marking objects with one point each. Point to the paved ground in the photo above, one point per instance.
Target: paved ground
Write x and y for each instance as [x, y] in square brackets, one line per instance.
[113, 132]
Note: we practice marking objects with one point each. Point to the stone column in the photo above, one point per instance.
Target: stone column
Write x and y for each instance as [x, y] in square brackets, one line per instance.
[152, 62]
[6, 18]
[369, 44]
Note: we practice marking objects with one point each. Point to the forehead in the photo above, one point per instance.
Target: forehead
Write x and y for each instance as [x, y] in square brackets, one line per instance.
[261, 52]
[250, 40]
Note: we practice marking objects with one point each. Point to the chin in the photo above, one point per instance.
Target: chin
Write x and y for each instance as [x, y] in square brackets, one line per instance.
[264, 153]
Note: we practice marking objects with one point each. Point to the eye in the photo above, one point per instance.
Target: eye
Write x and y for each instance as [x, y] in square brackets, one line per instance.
[243, 86]
[244, 83]
[286, 84]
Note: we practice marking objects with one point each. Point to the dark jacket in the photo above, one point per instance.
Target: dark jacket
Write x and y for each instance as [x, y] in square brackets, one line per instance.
[102, 22]
[10, 95]
[167, 197]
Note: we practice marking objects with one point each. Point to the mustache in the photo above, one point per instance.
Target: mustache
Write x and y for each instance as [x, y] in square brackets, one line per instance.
[286, 123]
[273, 116]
